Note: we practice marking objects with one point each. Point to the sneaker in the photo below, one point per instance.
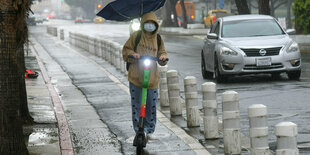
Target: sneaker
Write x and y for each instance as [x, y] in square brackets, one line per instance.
[151, 136]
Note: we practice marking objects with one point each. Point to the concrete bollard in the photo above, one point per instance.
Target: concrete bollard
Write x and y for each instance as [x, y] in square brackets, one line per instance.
[97, 47]
[62, 35]
[209, 103]
[117, 58]
[85, 40]
[163, 87]
[91, 45]
[108, 47]
[103, 49]
[258, 129]
[122, 67]
[174, 93]
[231, 123]
[191, 100]
[286, 133]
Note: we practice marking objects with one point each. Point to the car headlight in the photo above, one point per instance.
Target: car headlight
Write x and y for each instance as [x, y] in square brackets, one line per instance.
[135, 26]
[227, 51]
[293, 48]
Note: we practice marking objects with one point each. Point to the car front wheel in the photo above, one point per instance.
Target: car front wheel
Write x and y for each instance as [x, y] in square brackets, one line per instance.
[217, 74]
[294, 75]
[205, 74]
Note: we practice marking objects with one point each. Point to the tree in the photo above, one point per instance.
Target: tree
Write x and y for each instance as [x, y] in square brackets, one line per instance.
[288, 15]
[263, 7]
[275, 4]
[242, 7]
[184, 23]
[302, 12]
[174, 12]
[166, 15]
[12, 39]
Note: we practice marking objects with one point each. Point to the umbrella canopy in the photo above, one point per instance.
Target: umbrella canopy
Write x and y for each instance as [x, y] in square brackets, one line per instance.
[122, 10]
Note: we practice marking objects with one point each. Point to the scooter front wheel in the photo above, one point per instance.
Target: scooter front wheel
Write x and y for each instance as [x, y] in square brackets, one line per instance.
[139, 149]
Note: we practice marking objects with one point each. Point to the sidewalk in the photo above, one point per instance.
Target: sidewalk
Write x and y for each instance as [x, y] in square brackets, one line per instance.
[96, 104]
[44, 136]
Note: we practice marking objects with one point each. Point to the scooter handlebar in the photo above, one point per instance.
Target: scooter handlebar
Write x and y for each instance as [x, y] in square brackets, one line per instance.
[148, 57]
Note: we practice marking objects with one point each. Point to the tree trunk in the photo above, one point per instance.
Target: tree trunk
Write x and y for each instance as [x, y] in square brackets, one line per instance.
[184, 23]
[11, 132]
[166, 15]
[272, 8]
[242, 7]
[288, 16]
[25, 115]
[174, 11]
[264, 7]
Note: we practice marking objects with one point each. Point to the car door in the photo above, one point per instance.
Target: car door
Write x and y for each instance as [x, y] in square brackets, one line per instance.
[209, 47]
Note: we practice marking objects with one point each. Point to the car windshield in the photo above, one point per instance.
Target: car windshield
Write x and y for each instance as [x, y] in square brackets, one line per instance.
[251, 28]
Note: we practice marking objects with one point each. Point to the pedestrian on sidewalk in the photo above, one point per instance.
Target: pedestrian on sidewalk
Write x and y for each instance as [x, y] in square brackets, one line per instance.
[145, 42]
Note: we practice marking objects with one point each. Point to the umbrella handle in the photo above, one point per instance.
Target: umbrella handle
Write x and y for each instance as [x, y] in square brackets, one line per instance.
[141, 8]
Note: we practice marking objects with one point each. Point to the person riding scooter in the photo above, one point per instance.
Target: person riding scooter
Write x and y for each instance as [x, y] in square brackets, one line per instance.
[145, 42]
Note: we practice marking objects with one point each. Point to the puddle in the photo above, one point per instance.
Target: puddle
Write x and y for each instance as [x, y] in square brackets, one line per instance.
[43, 137]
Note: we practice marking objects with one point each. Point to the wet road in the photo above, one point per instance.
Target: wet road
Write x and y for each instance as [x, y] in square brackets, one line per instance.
[286, 100]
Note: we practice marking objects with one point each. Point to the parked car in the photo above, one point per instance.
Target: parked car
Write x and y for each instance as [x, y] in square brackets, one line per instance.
[98, 20]
[212, 15]
[31, 21]
[38, 19]
[249, 44]
[79, 20]
[134, 25]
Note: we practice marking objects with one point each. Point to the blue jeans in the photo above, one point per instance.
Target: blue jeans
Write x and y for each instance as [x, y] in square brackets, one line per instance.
[150, 111]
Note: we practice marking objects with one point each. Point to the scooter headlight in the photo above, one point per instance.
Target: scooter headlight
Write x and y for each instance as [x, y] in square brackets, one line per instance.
[147, 62]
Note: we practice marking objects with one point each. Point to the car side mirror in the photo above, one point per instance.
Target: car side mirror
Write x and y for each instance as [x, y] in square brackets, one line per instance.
[291, 31]
[212, 36]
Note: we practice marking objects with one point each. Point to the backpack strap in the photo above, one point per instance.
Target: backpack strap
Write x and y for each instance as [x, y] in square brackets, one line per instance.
[137, 40]
[158, 41]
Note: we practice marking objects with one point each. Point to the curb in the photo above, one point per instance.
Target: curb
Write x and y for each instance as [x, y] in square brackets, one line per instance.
[66, 146]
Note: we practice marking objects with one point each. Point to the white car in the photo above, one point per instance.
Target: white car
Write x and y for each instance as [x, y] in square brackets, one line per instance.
[249, 44]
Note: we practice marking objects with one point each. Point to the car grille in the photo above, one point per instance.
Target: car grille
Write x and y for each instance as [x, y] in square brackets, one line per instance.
[254, 67]
[254, 52]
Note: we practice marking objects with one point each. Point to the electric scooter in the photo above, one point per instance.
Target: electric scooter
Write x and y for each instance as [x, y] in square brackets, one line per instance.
[140, 139]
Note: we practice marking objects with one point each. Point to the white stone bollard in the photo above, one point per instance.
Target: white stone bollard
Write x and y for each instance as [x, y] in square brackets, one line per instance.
[258, 129]
[117, 58]
[96, 47]
[104, 49]
[163, 87]
[86, 42]
[62, 34]
[108, 56]
[286, 133]
[112, 50]
[231, 123]
[191, 100]
[209, 103]
[91, 45]
[174, 93]
[122, 67]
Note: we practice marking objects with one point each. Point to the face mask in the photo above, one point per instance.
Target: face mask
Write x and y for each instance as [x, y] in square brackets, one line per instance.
[149, 27]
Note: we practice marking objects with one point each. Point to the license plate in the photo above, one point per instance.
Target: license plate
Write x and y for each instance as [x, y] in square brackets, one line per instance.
[263, 62]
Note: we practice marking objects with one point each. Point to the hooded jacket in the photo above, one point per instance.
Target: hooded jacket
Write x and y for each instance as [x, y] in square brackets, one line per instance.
[146, 47]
